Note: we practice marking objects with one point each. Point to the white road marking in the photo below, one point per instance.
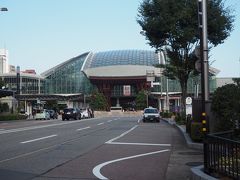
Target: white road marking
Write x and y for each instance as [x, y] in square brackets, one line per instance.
[110, 121]
[36, 151]
[139, 120]
[42, 126]
[33, 140]
[96, 170]
[100, 124]
[139, 144]
[83, 128]
[123, 134]
[2, 129]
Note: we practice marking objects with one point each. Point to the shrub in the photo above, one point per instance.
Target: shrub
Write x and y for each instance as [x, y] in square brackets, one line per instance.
[7, 117]
[196, 131]
[166, 114]
[180, 118]
[226, 103]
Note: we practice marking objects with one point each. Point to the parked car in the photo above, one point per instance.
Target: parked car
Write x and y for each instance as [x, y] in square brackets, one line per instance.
[42, 114]
[151, 114]
[71, 113]
[53, 114]
[85, 113]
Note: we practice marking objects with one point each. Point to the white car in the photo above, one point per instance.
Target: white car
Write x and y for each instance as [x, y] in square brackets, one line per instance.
[42, 114]
[85, 113]
[151, 114]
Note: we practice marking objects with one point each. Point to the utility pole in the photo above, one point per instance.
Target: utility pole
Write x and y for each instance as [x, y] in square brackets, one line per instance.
[202, 15]
[202, 18]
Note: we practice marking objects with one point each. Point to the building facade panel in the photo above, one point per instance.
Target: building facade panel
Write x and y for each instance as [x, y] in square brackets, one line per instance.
[68, 79]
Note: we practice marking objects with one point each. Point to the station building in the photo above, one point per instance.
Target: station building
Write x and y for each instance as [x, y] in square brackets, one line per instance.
[118, 74]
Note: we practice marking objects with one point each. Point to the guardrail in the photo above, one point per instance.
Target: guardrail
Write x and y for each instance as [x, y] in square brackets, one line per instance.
[222, 154]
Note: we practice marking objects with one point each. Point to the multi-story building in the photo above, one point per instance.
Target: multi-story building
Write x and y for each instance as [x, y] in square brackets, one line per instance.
[3, 61]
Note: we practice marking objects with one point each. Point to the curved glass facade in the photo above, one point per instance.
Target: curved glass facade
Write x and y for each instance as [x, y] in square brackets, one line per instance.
[123, 57]
[68, 78]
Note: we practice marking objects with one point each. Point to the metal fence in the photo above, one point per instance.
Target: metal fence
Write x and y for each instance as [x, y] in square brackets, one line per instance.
[222, 154]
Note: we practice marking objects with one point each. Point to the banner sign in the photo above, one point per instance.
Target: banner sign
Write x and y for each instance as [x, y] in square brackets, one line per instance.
[127, 90]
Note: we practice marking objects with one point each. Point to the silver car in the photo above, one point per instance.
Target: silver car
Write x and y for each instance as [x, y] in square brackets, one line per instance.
[151, 114]
[42, 114]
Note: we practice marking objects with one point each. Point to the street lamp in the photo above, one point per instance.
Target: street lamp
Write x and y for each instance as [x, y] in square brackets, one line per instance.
[3, 9]
[167, 97]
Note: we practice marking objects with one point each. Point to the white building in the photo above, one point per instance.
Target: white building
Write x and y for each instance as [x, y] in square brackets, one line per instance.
[3, 61]
[221, 81]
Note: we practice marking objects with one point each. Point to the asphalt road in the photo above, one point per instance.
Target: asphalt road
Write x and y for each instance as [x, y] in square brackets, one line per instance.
[100, 148]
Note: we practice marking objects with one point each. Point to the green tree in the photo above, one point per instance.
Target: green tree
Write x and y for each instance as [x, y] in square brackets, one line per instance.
[226, 103]
[172, 25]
[98, 101]
[51, 104]
[1, 83]
[141, 100]
[4, 107]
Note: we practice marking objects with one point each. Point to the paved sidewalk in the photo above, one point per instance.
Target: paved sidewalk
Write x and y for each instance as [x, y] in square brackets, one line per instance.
[186, 161]
[182, 159]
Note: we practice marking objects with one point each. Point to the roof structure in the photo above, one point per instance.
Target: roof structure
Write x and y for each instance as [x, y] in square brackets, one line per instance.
[120, 63]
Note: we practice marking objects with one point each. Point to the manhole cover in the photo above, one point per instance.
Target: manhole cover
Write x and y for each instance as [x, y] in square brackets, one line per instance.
[194, 163]
[190, 153]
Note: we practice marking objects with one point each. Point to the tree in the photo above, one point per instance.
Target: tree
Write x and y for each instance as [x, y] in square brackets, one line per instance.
[98, 101]
[141, 100]
[4, 107]
[173, 25]
[226, 103]
[51, 104]
[1, 83]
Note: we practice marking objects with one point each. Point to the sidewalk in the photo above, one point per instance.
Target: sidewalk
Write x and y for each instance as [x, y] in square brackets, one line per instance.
[186, 161]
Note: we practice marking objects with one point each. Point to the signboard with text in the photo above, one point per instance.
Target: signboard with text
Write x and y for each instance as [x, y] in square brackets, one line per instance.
[127, 90]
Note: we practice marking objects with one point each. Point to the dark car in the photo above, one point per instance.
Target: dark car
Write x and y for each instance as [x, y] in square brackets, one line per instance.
[53, 114]
[151, 114]
[71, 113]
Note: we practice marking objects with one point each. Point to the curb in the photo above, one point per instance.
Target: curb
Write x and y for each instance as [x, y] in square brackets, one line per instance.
[196, 172]
[189, 141]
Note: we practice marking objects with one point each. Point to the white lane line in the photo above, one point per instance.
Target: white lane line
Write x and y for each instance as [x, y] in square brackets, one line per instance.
[33, 140]
[139, 120]
[109, 120]
[83, 128]
[96, 170]
[100, 124]
[138, 144]
[42, 126]
[123, 134]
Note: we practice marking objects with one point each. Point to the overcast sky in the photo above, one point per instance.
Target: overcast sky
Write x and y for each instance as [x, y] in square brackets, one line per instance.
[40, 34]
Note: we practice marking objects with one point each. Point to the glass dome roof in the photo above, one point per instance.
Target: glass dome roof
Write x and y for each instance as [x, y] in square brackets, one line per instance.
[123, 57]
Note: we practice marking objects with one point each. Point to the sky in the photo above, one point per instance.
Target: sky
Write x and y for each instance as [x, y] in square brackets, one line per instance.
[40, 34]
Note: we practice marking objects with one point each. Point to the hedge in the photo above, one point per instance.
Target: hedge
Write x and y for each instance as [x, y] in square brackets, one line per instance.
[196, 132]
[7, 117]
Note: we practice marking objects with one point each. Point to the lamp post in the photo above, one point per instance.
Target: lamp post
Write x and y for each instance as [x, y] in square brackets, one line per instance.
[3, 9]
[167, 97]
